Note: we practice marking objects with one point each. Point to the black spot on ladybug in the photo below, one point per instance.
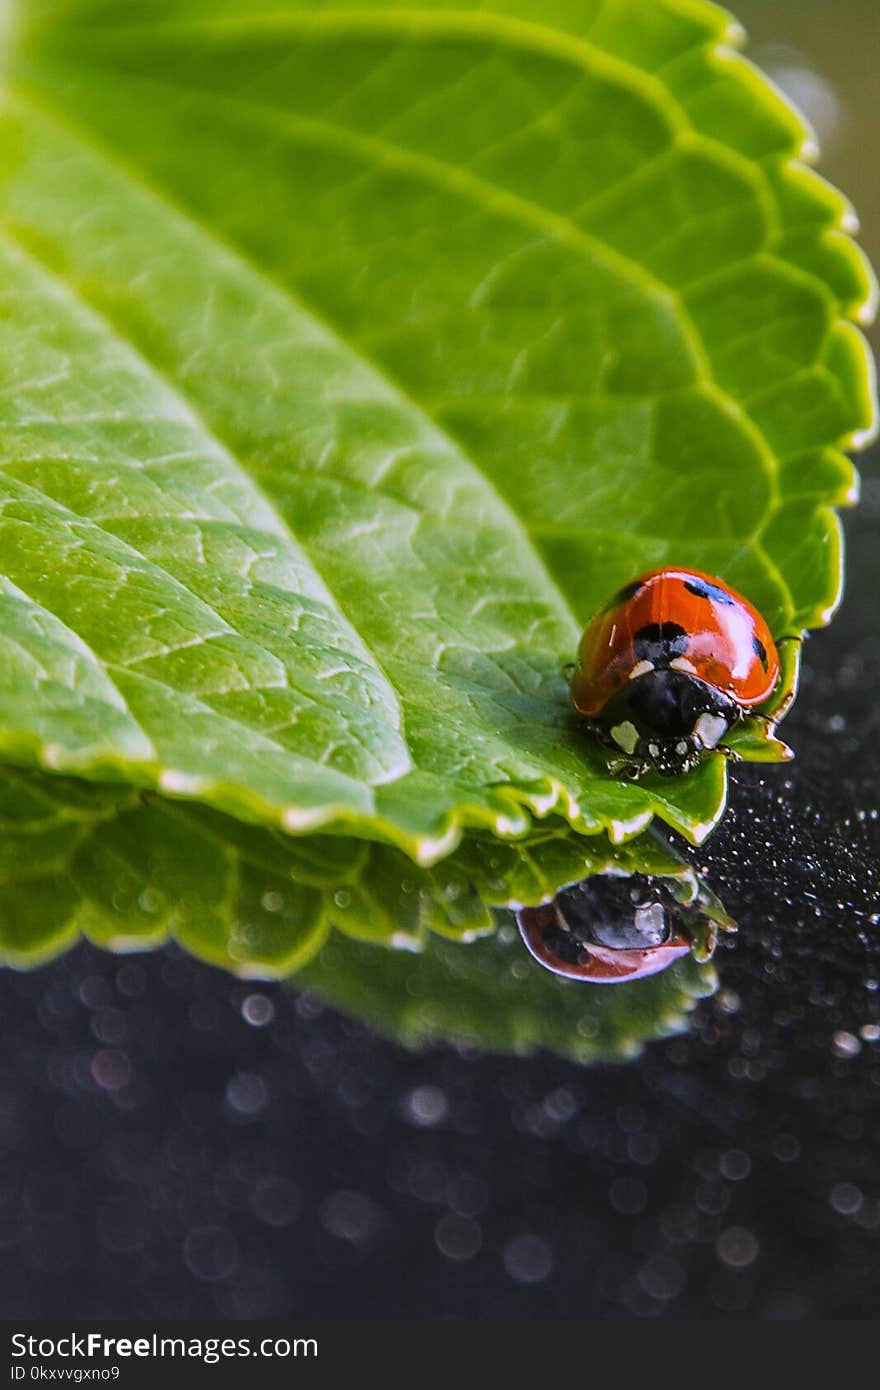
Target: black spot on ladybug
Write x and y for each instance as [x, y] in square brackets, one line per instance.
[623, 595]
[660, 642]
[703, 589]
[760, 651]
[562, 943]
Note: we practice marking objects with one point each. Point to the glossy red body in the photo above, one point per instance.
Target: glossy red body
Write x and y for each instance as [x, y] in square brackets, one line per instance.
[603, 965]
[729, 645]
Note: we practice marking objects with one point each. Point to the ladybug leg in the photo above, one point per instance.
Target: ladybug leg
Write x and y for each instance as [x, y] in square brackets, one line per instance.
[623, 768]
[729, 753]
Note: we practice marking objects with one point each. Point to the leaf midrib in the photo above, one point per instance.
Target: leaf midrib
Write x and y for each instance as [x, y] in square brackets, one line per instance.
[210, 235]
[145, 187]
[577, 51]
[484, 192]
[446, 175]
[149, 366]
[74, 294]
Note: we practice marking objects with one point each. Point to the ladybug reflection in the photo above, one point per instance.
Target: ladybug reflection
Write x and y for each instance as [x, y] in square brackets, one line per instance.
[609, 929]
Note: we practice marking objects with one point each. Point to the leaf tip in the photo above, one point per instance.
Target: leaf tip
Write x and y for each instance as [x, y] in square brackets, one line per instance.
[429, 850]
[174, 783]
[619, 831]
[403, 941]
[735, 34]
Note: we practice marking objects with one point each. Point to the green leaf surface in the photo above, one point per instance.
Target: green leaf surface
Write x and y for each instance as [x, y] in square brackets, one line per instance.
[350, 354]
[132, 871]
[490, 997]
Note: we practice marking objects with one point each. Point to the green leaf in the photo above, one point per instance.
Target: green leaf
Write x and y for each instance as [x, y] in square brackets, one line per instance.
[489, 996]
[132, 871]
[349, 355]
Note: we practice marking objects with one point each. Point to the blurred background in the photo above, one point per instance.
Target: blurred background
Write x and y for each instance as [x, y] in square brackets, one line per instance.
[177, 1143]
[823, 54]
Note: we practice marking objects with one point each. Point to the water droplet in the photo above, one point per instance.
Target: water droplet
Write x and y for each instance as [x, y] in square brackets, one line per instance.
[349, 1216]
[276, 1202]
[111, 1069]
[846, 1044]
[528, 1259]
[94, 991]
[728, 1002]
[737, 1247]
[735, 1165]
[257, 1010]
[786, 1148]
[662, 1278]
[458, 1237]
[845, 1198]
[246, 1092]
[426, 1106]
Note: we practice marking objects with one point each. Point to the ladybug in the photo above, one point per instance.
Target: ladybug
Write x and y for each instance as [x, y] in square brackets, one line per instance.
[671, 663]
[612, 928]
[604, 931]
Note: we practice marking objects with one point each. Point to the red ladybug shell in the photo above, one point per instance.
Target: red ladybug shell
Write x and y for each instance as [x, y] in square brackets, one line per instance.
[727, 643]
[601, 965]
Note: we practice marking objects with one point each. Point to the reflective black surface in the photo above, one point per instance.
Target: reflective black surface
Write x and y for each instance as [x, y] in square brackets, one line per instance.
[174, 1142]
[162, 1155]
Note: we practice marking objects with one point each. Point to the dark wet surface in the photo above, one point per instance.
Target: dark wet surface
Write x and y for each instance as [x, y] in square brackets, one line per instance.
[164, 1156]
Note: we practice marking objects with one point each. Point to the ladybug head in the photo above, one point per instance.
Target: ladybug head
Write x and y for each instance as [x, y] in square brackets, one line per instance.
[666, 719]
[607, 929]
